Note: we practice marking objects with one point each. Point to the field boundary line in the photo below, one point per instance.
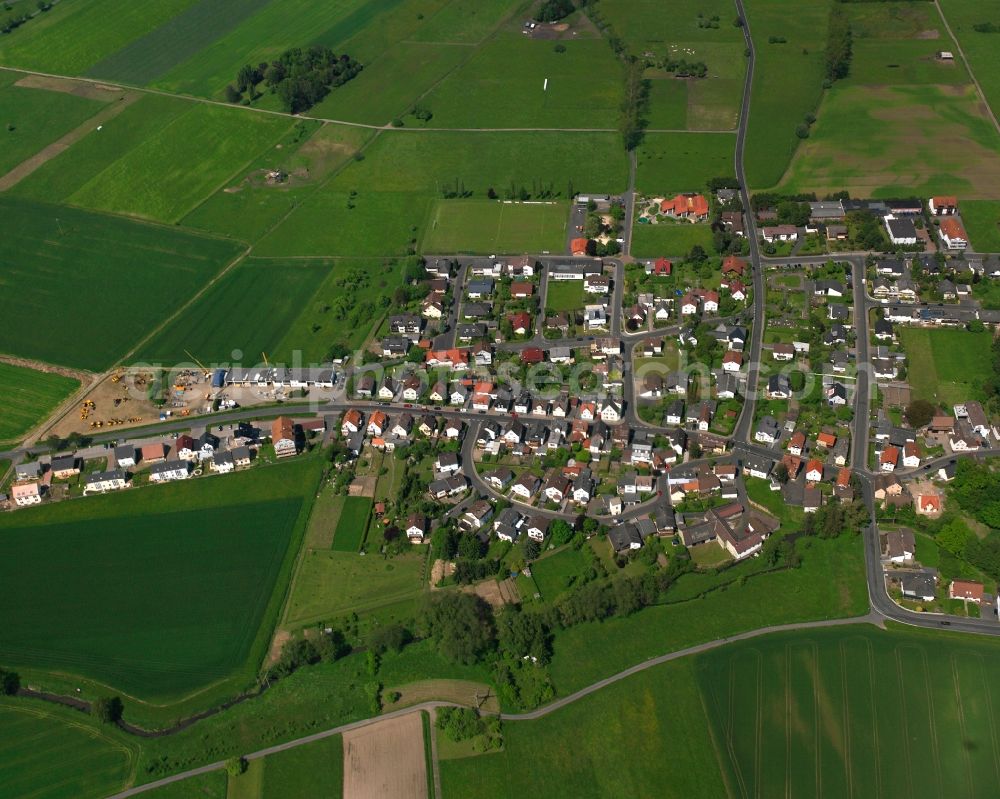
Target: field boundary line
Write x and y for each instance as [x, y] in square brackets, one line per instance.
[730, 726]
[989, 715]
[968, 66]
[726, 776]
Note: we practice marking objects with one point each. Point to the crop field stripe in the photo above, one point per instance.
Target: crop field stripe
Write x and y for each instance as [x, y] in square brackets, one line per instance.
[847, 720]
[874, 698]
[935, 743]
[907, 757]
[149, 57]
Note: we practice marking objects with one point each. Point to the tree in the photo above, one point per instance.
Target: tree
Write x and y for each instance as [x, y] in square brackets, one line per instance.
[469, 546]
[560, 532]
[461, 625]
[953, 537]
[108, 709]
[781, 473]
[522, 634]
[246, 78]
[389, 638]
[10, 682]
[554, 10]
[232, 96]
[236, 766]
[919, 412]
[838, 45]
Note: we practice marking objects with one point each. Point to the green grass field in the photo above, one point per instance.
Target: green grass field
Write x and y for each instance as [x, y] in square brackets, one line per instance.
[797, 67]
[82, 288]
[316, 769]
[829, 584]
[854, 712]
[50, 752]
[178, 166]
[212, 785]
[29, 397]
[644, 26]
[465, 23]
[982, 222]
[668, 102]
[34, 118]
[331, 584]
[952, 363]
[71, 37]
[555, 573]
[250, 309]
[503, 86]
[564, 295]
[144, 59]
[904, 62]
[669, 239]
[979, 48]
[683, 162]
[352, 524]
[645, 736]
[487, 226]
[169, 588]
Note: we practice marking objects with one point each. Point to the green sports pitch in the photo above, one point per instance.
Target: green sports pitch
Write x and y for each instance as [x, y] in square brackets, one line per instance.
[486, 227]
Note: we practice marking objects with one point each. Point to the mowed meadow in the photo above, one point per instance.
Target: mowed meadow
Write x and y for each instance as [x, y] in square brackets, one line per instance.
[158, 592]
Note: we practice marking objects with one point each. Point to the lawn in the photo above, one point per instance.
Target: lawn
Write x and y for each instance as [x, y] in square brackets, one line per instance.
[50, 753]
[29, 397]
[654, 722]
[829, 584]
[332, 584]
[556, 573]
[824, 711]
[144, 59]
[982, 221]
[683, 162]
[979, 48]
[70, 37]
[352, 524]
[948, 364]
[797, 67]
[155, 592]
[649, 241]
[504, 86]
[898, 140]
[564, 295]
[34, 118]
[263, 299]
[95, 283]
[177, 167]
[487, 227]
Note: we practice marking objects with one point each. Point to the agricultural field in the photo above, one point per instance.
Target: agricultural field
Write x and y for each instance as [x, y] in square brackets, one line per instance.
[97, 283]
[564, 295]
[487, 226]
[50, 753]
[654, 721]
[167, 594]
[71, 37]
[248, 311]
[669, 163]
[34, 118]
[331, 584]
[644, 26]
[316, 769]
[979, 48]
[829, 583]
[177, 167]
[29, 397]
[852, 711]
[797, 66]
[465, 23]
[952, 363]
[982, 221]
[213, 785]
[514, 81]
[352, 524]
[649, 241]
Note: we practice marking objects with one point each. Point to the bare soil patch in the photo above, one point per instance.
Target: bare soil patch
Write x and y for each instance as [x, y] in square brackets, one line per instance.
[441, 569]
[81, 88]
[461, 692]
[385, 760]
[490, 591]
[281, 637]
[363, 486]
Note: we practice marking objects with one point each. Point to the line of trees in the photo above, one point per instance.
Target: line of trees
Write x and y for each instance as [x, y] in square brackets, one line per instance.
[838, 45]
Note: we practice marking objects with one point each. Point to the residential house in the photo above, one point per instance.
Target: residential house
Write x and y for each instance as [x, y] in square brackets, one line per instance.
[25, 494]
[65, 466]
[169, 470]
[966, 590]
[125, 456]
[953, 234]
[918, 585]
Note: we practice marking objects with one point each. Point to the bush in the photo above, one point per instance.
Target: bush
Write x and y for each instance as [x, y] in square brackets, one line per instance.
[236, 766]
[10, 682]
[802, 131]
[554, 10]
[108, 709]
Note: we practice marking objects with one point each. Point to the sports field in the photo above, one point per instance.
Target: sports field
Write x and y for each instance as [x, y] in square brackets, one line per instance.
[951, 363]
[650, 241]
[250, 310]
[352, 524]
[982, 222]
[486, 227]
[157, 592]
[564, 295]
[855, 712]
[51, 753]
[34, 118]
[331, 584]
[796, 66]
[683, 162]
[29, 397]
[82, 288]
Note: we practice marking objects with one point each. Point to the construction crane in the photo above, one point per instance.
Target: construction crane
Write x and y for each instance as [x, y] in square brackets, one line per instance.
[200, 364]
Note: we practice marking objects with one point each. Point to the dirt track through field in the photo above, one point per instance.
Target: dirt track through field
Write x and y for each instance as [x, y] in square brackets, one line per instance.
[386, 760]
[25, 168]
